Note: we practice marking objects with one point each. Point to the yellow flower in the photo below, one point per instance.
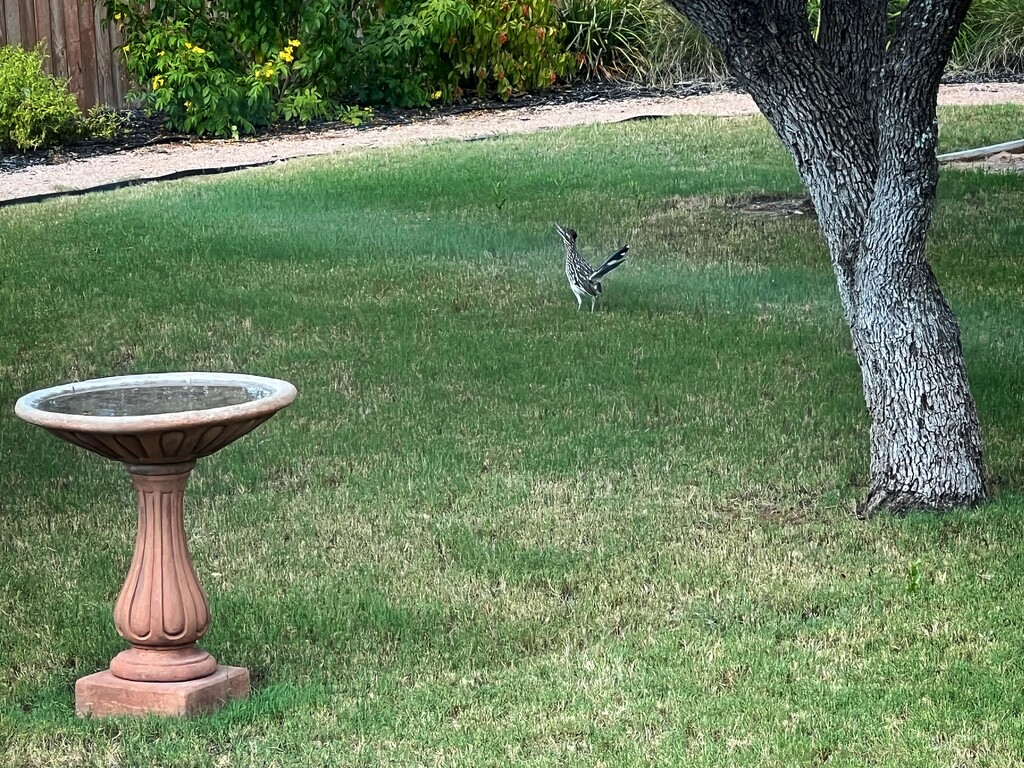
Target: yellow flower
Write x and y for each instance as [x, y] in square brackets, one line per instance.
[158, 81]
[197, 50]
[294, 43]
[188, 105]
[188, 45]
[286, 55]
[162, 53]
[126, 48]
[435, 95]
[117, 17]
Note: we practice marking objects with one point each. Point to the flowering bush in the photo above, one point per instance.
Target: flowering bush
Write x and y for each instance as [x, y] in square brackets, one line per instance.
[220, 73]
[230, 67]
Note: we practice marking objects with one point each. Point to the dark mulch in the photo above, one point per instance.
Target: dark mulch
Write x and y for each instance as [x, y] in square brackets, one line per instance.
[142, 130]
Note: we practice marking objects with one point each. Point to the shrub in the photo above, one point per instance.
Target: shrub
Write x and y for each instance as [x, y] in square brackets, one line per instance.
[679, 51]
[246, 64]
[363, 52]
[36, 110]
[490, 46]
[611, 38]
[226, 70]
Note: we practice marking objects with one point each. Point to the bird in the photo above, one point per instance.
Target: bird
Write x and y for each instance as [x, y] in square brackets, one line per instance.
[584, 280]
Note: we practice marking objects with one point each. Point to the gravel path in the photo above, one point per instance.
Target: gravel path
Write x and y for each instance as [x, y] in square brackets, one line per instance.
[166, 159]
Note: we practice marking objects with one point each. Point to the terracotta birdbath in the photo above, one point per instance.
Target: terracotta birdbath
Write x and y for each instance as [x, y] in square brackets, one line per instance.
[158, 425]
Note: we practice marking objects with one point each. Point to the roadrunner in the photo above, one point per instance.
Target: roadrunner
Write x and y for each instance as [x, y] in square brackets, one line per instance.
[584, 280]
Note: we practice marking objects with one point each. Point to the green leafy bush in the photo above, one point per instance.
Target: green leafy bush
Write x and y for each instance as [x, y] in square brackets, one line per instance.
[363, 52]
[490, 46]
[244, 64]
[36, 110]
[227, 70]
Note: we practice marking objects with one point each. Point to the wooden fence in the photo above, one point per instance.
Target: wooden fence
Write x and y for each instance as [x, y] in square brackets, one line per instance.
[78, 44]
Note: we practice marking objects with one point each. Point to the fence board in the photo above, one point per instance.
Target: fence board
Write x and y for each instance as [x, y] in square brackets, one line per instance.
[58, 51]
[28, 21]
[12, 21]
[88, 48]
[73, 43]
[78, 44]
[117, 68]
[42, 30]
[105, 91]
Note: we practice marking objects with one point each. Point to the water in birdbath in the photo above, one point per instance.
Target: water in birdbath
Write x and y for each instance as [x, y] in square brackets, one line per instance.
[149, 400]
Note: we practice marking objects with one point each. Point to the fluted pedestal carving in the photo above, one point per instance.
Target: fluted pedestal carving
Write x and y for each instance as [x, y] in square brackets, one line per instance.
[162, 611]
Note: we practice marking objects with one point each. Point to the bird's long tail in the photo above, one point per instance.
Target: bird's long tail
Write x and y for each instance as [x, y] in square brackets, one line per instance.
[613, 261]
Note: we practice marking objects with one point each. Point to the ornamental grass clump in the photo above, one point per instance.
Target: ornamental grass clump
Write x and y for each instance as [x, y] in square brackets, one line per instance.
[636, 41]
[991, 38]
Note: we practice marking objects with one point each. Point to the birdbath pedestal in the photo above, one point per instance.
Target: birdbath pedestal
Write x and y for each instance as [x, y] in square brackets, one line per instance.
[158, 425]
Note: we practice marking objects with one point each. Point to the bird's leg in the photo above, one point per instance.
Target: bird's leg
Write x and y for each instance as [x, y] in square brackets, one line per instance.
[579, 302]
[593, 300]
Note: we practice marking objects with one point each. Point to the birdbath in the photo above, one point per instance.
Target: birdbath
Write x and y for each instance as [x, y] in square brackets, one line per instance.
[158, 425]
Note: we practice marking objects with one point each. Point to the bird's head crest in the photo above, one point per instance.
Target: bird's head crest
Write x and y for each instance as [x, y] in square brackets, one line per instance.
[568, 234]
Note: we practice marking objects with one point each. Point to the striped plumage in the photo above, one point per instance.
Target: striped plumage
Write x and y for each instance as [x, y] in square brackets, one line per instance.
[583, 279]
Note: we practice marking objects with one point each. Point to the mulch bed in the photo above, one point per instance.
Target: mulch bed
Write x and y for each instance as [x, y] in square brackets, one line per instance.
[142, 130]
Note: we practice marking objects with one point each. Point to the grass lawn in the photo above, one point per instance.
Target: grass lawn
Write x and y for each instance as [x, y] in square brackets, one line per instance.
[492, 530]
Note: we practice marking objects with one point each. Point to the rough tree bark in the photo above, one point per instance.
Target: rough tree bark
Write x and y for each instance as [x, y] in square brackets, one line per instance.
[856, 108]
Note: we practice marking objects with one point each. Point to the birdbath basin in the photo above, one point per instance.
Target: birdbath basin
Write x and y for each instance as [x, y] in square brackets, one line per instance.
[158, 425]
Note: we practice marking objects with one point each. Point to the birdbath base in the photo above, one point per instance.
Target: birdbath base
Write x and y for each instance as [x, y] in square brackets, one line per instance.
[103, 695]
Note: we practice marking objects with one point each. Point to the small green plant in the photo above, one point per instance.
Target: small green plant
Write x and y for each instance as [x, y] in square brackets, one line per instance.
[36, 109]
[914, 578]
[498, 195]
[104, 122]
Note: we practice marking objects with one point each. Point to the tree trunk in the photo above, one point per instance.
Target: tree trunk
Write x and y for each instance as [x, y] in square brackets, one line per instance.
[925, 441]
[857, 112]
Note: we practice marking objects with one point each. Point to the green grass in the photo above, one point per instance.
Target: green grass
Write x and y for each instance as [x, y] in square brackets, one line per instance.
[492, 530]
